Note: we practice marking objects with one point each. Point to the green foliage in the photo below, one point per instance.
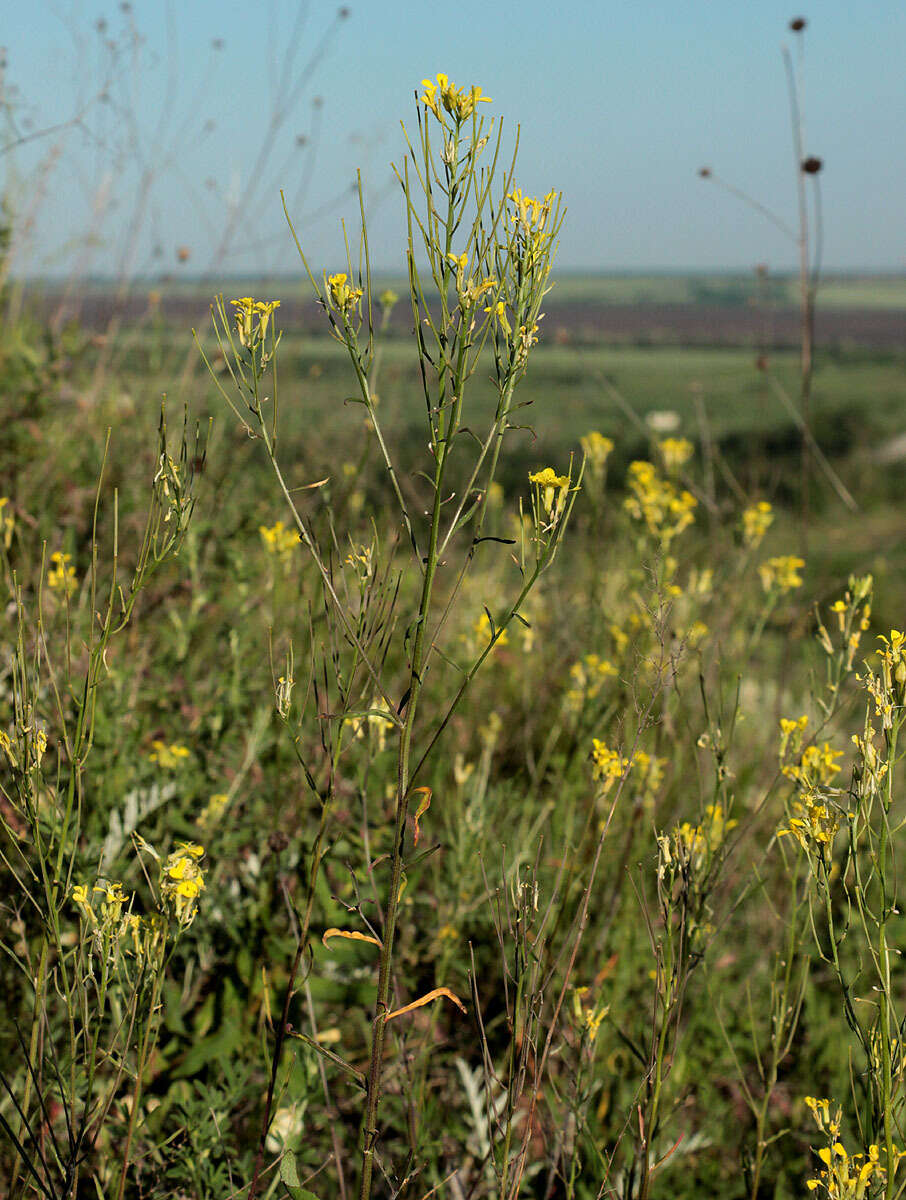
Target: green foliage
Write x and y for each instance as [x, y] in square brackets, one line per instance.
[651, 975]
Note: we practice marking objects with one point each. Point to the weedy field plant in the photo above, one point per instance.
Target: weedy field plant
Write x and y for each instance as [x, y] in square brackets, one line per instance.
[484, 250]
[393, 811]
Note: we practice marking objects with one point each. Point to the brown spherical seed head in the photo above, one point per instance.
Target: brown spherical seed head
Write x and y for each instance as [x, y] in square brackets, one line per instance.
[277, 841]
[812, 165]
[761, 363]
[704, 172]
[798, 24]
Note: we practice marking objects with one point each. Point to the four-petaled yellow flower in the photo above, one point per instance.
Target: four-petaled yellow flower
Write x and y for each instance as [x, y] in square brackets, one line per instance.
[553, 489]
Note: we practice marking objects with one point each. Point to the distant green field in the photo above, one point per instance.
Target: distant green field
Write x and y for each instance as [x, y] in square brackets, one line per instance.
[721, 288]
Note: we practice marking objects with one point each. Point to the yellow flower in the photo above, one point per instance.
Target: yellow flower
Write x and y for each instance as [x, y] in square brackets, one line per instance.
[675, 452]
[458, 102]
[252, 319]
[781, 574]
[7, 523]
[167, 756]
[483, 631]
[665, 510]
[813, 823]
[498, 310]
[597, 449]
[279, 540]
[61, 576]
[756, 521]
[182, 881]
[553, 488]
[344, 296]
[607, 765]
[213, 810]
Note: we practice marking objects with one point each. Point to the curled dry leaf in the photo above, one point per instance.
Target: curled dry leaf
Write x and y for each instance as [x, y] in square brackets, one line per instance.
[423, 807]
[350, 934]
[426, 999]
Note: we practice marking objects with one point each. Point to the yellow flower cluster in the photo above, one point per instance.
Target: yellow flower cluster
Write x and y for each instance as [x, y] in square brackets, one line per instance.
[781, 574]
[343, 295]
[845, 1176]
[814, 822]
[378, 723]
[116, 927]
[675, 452]
[252, 319]
[166, 756]
[649, 770]
[597, 449]
[853, 615]
[816, 767]
[61, 576]
[587, 677]
[468, 288]
[482, 632]
[213, 810]
[607, 765]
[530, 215]
[757, 519]
[7, 523]
[791, 731]
[458, 102]
[279, 540]
[498, 311]
[182, 881]
[887, 688]
[695, 842]
[666, 510]
[587, 1014]
[552, 489]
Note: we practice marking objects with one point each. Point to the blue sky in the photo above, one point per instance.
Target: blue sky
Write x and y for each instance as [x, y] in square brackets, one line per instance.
[618, 103]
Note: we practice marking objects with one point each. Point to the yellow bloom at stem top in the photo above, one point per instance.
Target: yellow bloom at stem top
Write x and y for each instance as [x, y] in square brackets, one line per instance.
[553, 488]
[597, 449]
[252, 319]
[343, 294]
[460, 103]
[675, 452]
[756, 521]
[61, 576]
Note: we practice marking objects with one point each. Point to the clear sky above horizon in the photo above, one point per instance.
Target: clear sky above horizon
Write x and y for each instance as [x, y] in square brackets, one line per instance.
[618, 104]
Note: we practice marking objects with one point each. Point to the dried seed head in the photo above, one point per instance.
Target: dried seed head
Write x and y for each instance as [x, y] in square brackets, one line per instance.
[812, 165]
[798, 24]
[704, 172]
[277, 841]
